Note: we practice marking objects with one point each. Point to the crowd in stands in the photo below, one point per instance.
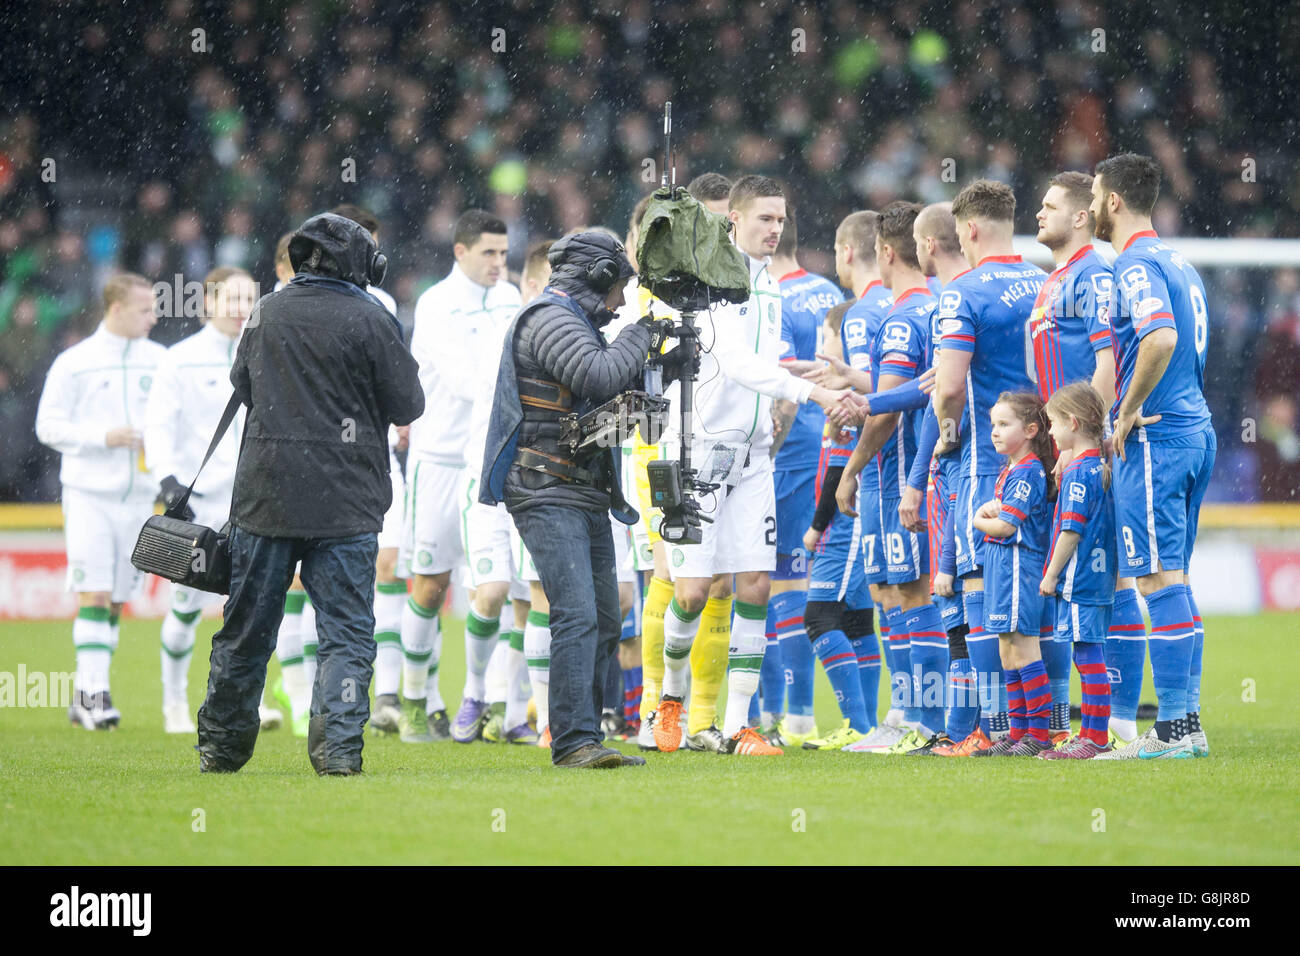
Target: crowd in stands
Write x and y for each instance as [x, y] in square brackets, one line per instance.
[171, 142]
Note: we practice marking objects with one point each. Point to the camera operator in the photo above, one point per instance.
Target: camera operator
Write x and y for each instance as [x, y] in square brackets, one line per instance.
[556, 362]
[323, 371]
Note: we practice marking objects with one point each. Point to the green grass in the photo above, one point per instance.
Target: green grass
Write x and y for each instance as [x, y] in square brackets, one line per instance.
[132, 796]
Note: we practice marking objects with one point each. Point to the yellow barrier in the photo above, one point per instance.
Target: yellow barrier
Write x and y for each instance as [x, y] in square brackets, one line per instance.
[1280, 515]
[1268, 516]
[23, 517]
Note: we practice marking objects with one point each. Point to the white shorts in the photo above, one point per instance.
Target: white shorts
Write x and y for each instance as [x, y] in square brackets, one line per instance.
[623, 550]
[100, 532]
[742, 536]
[485, 538]
[390, 535]
[522, 559]
[431, 523]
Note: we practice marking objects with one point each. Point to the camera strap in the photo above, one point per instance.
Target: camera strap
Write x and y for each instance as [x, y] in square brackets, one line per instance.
[544, 393]
[536, 460]
[227, 416]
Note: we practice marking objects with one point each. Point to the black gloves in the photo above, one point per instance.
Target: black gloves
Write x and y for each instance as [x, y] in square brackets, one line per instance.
[677, 360]
[172, 492]
[660, 330]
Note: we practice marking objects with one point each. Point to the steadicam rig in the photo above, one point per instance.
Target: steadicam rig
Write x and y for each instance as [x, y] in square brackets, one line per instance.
[614, 422]
[674, 484]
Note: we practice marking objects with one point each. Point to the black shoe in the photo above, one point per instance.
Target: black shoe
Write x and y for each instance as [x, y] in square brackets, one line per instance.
[591, 755]
[340, 772]
[615, 726]
[215, 765]
[938, 740]
[440, 725]
[632, 760]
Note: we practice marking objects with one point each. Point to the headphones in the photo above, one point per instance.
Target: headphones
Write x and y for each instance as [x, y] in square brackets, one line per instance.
[376, 267]
[602, 273]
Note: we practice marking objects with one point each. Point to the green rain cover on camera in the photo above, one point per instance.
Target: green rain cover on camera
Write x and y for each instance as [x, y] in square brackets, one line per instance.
[686, 255]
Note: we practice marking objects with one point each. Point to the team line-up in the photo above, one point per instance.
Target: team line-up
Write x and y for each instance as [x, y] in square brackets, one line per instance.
[986, 462]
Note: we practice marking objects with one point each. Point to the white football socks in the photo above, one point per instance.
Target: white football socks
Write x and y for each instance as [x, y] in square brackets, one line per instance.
[537, 656]
[390, 597]
[679, 635]
[480, 647]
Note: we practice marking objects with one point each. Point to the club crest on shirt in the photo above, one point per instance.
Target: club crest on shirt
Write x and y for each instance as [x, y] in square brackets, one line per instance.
[1020, 490]
[1077, 491]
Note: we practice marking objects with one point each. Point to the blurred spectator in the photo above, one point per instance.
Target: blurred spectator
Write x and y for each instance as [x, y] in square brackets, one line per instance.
[1279, 449]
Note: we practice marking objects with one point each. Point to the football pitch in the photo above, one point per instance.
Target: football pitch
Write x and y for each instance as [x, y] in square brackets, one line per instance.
[134, 796]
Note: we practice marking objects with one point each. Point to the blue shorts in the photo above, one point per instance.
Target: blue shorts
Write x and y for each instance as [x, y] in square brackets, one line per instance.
[873, 548]
[796, 500]
[837, 566]
[951, 609]
[1082, 623]
[1047, 623]
[907, 553]
[1158, 489]
[1011, 598]
[632, 623]
[971, 493]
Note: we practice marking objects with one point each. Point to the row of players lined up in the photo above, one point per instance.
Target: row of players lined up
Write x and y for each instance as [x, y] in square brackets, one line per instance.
[820, 517]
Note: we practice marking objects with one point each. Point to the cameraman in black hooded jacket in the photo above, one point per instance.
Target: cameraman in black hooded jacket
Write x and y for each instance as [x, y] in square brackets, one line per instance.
[323, 370]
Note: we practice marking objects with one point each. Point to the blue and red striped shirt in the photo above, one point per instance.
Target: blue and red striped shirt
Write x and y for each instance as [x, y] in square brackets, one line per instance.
[1070, 321]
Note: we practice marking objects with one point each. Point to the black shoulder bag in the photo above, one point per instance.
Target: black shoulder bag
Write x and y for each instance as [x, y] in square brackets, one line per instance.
[184, 552]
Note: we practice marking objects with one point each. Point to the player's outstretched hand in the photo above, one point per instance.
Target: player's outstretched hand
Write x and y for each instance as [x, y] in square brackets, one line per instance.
[802, 367]
[827, 398]
[1125, 422]
[851, 412]
[909, 510]
[846, 495]
[834, 374]
[926, 381]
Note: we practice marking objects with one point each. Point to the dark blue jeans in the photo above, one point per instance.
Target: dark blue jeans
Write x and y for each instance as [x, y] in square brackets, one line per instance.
[574, 554]
[339, 575]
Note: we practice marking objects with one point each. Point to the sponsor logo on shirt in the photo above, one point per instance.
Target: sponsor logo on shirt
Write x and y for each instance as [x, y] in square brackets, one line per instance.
[1077, 491]
[896, 336]
[949, 303]
[855, 332]
[1147, 306]
[1134, 281]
